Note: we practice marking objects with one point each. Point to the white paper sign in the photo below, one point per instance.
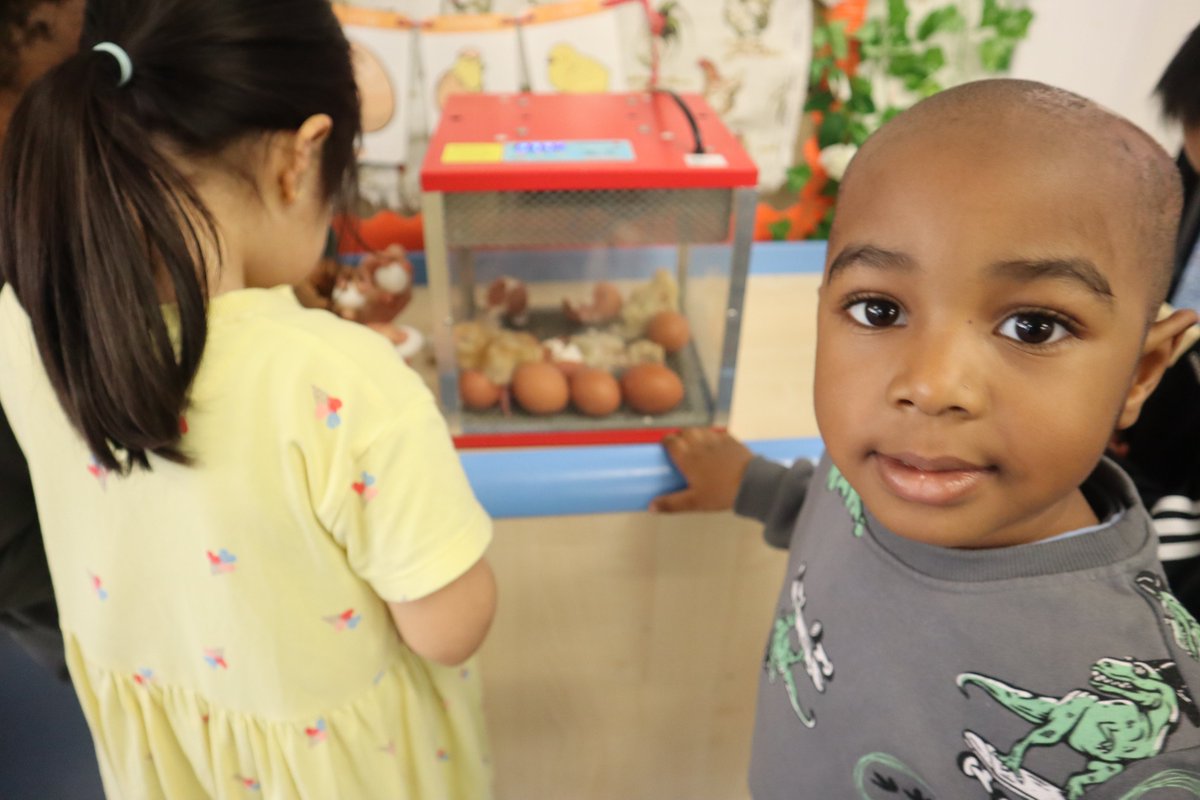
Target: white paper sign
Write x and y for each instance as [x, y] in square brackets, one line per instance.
[467, 61]
[383, 68]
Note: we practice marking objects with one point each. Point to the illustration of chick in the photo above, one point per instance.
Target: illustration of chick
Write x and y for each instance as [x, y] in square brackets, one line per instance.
[465, 75]
[572, 71]
[719, 91]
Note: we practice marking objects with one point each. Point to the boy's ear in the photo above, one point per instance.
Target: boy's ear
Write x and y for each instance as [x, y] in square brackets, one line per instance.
[1159, 352]
[301, 152]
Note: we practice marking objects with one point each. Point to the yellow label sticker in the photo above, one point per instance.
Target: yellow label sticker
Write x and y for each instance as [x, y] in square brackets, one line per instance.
[473, 153]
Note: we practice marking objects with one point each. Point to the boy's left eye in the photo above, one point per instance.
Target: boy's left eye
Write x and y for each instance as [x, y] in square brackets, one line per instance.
[1031, 328]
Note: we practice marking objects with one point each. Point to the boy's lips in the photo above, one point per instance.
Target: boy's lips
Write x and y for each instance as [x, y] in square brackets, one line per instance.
[935, 481]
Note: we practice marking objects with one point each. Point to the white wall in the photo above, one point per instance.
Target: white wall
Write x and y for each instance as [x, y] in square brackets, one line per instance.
[1112, 51]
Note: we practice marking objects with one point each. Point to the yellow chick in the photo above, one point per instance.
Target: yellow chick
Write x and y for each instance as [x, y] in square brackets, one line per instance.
[572, 71]
[464, 75]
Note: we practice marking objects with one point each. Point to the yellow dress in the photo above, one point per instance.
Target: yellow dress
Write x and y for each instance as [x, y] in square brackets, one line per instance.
[223, 621]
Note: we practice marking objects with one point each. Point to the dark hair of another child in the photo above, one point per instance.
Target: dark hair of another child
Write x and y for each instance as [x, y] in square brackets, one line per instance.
[95, 219]
[1179, 87]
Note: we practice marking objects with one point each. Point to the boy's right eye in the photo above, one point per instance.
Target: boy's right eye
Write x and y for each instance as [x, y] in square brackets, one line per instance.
[876, 312]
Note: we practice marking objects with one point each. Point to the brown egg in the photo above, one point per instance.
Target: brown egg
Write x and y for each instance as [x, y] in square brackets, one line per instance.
[669, 329]
[651, 388]
[478, 393]
[540, 388]
[595, 392]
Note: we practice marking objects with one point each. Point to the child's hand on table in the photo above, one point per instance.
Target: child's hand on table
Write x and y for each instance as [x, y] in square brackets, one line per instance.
[712, 462]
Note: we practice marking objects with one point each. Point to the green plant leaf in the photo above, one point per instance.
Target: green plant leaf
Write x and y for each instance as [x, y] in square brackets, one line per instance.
[830, 189]
[933, 59]
[818, 100]
[859, 132]
[861, 100]
[991, 14]
[903, 64]
[823, 227]
[870, 33]
[780, 229]
[946, 18]
[820, 37]
[798, 176]
[1015, 23]
[834, 128]
[837, 40]
[890, 113]
[897, 21]
[996, 53]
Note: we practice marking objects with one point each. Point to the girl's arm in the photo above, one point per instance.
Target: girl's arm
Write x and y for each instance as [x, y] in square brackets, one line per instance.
[449, 625]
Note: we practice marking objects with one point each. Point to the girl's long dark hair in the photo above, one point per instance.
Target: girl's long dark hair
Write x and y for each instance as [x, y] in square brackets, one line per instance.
[95, 221]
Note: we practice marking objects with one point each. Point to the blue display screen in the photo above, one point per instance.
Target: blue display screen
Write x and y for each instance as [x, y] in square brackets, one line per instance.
[574, 151]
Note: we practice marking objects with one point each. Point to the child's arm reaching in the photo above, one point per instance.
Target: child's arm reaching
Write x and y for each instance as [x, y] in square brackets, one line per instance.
[449, 625]
[723, 474]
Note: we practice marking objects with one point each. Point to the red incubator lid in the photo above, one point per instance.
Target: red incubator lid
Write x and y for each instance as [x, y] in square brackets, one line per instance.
[546, 142]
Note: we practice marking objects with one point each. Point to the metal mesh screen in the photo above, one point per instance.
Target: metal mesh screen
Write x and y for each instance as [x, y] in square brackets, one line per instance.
[592, 217]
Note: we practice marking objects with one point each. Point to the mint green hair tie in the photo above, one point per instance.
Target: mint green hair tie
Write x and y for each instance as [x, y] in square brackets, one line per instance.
[123, 60]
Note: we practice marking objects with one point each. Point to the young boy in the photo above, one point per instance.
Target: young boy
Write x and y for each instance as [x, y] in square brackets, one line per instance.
[973, 607]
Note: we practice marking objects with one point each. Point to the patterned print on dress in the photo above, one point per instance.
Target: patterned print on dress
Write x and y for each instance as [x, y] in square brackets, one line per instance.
[248, 783]
[442, 755]
[98, 586]
[143, 677]
[317, 734]
[215, 657]
[99, 472]
[222, 562]
[464, 673]
[389, 748]
[327, 408]
[378, 676]
[347, 620]
[366, 488]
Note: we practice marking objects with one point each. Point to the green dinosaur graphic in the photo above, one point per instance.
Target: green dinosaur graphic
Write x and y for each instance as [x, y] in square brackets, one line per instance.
[838, 483]
[1183, 625]
[808, 652]
[1171, 779]
[1138, 706]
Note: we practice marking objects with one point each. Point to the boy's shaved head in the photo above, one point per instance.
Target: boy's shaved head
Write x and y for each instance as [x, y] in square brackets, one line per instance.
[1057, 126]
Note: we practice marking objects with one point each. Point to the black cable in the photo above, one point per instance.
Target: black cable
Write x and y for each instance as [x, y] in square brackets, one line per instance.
[691, 118]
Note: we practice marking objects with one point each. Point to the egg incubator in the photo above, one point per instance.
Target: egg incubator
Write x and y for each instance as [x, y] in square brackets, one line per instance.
[587, 260]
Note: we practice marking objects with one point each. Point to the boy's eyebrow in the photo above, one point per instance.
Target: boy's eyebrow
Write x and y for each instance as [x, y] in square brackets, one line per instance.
[1075, 270]
[871, 256]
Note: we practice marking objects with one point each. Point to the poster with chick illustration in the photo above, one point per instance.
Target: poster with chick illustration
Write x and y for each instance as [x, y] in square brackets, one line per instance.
[573, 48]
[464, 54]
[381, 48]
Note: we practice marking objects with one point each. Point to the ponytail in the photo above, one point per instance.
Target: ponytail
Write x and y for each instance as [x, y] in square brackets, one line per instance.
[97, 225]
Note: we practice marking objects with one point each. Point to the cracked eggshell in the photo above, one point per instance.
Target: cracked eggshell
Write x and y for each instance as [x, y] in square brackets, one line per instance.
[605, 305]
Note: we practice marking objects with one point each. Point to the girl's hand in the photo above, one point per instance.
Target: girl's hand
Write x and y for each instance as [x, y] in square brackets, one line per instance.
[712, 462]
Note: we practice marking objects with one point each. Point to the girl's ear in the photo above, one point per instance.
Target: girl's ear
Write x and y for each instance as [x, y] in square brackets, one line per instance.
[301, 155]
[1162, 341]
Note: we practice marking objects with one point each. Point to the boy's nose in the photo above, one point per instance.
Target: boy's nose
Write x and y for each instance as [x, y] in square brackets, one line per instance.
[940, 374]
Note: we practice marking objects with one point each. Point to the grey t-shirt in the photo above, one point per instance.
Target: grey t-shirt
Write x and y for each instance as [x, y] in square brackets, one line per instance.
[896, 669]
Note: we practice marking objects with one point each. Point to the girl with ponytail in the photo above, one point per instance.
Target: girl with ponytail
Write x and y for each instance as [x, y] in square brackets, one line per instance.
[269, 566]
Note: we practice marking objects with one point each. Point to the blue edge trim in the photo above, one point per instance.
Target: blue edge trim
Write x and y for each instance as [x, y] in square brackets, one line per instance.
[542, 482]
